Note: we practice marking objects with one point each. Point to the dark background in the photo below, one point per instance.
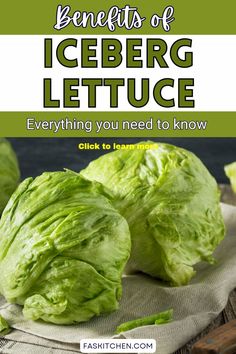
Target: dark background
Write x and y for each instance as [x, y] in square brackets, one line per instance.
[37, 155]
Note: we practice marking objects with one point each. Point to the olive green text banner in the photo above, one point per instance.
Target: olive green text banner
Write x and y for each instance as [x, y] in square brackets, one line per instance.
[118, 124]
[189, 17]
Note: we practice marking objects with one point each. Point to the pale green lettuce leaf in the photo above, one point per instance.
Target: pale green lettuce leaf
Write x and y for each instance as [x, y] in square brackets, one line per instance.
[63, 248]
[156, 319]
[9, 172]
[4, 326]
[230, 171]
[171, 203]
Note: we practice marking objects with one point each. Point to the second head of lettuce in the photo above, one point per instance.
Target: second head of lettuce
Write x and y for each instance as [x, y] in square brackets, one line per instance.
[63, 248]
[9, 172]
[171, 203]
[230, 171]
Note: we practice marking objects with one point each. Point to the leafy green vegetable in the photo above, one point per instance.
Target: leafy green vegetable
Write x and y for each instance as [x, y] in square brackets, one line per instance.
[158, 319]
[171, 203]
[230, 171]
[63, 248]
[9, 172]
[4, 326]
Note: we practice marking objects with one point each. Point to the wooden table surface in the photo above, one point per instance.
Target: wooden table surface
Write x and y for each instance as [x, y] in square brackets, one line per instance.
[229, 313]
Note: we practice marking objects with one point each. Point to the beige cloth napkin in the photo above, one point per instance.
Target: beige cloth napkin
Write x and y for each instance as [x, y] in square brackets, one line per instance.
[195, 306]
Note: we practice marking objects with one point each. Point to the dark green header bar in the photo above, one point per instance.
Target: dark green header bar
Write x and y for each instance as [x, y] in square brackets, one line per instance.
[190, 17]
[118, 124]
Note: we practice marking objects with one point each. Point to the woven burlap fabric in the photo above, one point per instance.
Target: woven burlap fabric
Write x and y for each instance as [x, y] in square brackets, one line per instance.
[195, 306]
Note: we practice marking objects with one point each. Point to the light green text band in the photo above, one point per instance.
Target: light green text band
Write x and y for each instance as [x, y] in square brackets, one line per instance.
[118, 124]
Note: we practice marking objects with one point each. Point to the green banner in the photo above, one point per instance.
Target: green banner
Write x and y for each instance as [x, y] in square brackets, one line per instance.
[94, 17]
[118, 124]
